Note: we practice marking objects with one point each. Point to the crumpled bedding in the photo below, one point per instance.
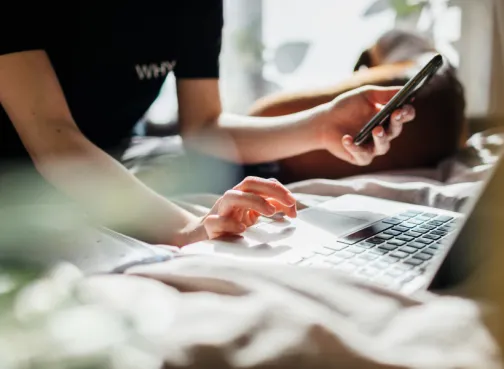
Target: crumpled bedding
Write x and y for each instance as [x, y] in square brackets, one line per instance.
[207, 312]
[448, 186]
[211, 312]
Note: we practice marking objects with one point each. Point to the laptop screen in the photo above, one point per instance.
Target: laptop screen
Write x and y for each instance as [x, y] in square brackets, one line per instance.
[471, 244]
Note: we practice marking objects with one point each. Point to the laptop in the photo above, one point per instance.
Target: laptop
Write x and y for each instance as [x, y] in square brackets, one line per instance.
[396, 245]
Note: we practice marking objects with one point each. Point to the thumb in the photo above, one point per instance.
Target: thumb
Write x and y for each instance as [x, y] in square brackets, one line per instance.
[381, 95]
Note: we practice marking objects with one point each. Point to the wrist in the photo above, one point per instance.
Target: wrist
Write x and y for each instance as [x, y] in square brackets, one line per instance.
[193, 232]
[319, 123]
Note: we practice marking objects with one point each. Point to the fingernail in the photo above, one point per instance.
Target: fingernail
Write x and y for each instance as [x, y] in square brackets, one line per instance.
[243, 227]
[271, 209]
[399, 117]
[347, 142]
[291, 201]
[381, 133]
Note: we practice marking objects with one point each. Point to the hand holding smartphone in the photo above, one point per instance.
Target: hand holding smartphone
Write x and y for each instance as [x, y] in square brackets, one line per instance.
[404, 96]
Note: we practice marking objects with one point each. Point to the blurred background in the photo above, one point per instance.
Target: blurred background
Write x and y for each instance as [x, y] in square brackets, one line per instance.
[291, 45]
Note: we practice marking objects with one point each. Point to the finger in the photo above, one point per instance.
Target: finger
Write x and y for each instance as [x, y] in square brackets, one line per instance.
[289, 211]
[217, 226]
[381, 141]
[251, 218]
[361, 155]
[381, 95]
[237, 200]
[267, 188]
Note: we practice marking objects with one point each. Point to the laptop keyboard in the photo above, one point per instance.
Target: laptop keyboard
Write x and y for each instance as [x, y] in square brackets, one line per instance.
[391, 252]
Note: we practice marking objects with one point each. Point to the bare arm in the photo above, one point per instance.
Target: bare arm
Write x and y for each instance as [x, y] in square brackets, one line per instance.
[242, 138]
[33, 99]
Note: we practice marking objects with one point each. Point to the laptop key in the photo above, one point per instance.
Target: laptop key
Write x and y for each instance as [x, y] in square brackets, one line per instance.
[385, 236]
[396, 242]
[428, 227]
[388, 247]
[389, 260]
[406, 215]
[335, 260]
[336, 246]
[404, 267]
[435, 223]
[417, 245]
[399, 254]
[413, 212]
[413, 234]
[429, 215]
[345, 254]
[420, 230]
[423, 256]
[444, 218]
[408, 225]
[414, 262]
[324, 251]
[392, 232]
[355, 250]
[393, 221]
[432, 236]
[368, 257]
[380, 265]
[439, 233]
[376, 240]
[425, 241]
[429, 251]
[416, 221]
[379, 251]
[405, 238]
[367, 232]
[423, 219]
[366, 245]
[358, 262]
[409, 250]
[400, 228]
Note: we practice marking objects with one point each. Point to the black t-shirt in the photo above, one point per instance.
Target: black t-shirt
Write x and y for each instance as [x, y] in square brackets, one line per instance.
[112, 57]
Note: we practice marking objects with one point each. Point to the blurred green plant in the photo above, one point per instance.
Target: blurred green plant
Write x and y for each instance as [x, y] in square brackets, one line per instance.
[402, 8]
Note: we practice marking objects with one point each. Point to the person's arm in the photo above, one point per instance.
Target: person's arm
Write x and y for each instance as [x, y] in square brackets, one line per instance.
[250, 140]
[242, 138]
[32, 97]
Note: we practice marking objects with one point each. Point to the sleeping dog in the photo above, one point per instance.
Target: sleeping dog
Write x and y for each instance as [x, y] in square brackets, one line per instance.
[439, 128]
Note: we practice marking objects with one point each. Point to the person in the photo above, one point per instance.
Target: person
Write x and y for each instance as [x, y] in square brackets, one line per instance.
[76, 78]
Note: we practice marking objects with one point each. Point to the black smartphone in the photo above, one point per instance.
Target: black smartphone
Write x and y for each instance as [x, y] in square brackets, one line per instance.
[404, 96]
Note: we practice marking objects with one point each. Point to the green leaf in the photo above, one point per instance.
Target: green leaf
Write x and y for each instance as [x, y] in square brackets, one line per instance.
[405, 8]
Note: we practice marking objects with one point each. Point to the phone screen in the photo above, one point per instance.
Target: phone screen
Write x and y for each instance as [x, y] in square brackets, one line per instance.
[403, 97]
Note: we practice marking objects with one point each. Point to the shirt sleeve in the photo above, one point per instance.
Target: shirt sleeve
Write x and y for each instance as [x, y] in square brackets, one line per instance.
[24, 27]
[200, 41]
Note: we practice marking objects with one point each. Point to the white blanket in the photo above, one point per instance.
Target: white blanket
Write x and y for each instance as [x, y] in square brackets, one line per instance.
[210, 312]
[446, 187]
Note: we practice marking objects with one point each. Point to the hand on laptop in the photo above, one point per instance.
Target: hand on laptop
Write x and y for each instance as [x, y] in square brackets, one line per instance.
[241, 207]
[349, 114]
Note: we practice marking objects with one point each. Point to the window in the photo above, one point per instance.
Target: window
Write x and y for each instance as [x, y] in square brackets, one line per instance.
[275, 45]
